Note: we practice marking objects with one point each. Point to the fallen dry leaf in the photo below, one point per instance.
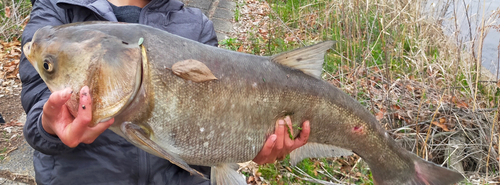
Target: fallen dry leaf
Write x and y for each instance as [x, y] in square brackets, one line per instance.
[462, 105]
[14, 123]
[263, 31]
[396, 107]
[410, 88]
[375, 69]
[14, 54]
[358, 174]
[7, 12]
[10, 44]
[9, 69]
[380, 114]
[459, 103]
[251, 180]
[13, 74]
[441, 125]
[289, 38]
[335, 82]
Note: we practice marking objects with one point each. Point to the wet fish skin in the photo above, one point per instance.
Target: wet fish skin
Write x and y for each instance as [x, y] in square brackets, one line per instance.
[222, 121]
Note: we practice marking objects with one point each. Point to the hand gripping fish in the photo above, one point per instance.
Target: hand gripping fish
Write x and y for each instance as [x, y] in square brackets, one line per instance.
[196, 104]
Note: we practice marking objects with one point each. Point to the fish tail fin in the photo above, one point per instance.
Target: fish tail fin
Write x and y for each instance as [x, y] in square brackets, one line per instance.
[223, 174]
[425, 173]
[429, 173]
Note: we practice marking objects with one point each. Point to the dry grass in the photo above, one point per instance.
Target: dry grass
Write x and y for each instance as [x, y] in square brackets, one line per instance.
[427, 88]
[14, 15]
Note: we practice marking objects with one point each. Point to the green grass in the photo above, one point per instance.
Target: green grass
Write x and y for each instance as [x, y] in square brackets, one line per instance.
[2, 155]
[322, 169]
[230, 43]
[237, 12]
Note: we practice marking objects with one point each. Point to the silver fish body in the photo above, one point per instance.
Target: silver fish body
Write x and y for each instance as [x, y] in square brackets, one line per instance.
[224, 119]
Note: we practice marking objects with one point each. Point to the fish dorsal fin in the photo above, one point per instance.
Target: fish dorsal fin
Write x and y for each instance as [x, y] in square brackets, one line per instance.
[309, 59]
[317, 150]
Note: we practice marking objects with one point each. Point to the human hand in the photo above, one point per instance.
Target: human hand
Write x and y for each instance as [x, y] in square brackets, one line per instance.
[279, 144]
[57, 120]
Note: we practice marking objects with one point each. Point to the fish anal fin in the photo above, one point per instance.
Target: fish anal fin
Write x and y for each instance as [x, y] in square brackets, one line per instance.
[317, 150]
[308, 59]
[141, 138]
[193, 70]
[223, 174]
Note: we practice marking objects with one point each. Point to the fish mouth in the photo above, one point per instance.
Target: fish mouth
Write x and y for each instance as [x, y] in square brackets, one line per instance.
[27, 52]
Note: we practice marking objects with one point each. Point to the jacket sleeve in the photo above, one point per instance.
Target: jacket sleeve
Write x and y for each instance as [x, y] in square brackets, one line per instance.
[208, 35]
[35, 92]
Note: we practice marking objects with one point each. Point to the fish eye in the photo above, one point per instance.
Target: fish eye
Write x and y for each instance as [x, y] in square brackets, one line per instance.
[47, 65]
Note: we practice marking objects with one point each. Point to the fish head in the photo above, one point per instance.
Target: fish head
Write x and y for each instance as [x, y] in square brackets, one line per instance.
[57, 58]
[78, 55]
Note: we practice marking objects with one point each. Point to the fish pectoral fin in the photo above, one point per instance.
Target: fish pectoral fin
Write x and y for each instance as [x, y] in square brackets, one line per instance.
[226, 174]
[141, 138]
[193, 70]
[317, 150]
[308, 60]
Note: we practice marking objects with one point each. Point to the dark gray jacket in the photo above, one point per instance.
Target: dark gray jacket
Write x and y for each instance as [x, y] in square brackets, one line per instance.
[110, 159]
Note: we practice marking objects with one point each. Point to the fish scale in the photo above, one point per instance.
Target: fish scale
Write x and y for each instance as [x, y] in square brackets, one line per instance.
[219, 105]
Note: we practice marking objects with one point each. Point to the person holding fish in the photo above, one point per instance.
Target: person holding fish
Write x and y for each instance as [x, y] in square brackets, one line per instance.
[68, 150]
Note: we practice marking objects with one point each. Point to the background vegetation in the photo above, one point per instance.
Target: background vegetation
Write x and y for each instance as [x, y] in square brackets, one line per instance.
[426, 88]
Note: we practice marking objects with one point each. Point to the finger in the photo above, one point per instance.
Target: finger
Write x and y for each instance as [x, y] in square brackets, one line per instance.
[92, 133]
[280, 135]
[281, 157]
[269, 145]
[266, 150]
[85, 108]
[84, 116]
[57, 100]
[303, 136]
[55, 114]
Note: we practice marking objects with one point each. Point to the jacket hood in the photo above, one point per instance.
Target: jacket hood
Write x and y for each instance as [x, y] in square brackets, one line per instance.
[103, 9]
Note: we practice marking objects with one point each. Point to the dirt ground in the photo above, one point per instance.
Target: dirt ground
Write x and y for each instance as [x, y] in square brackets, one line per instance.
[11, 110]
[10, 83]
[17, 177]
[10, 104]
[11, 132]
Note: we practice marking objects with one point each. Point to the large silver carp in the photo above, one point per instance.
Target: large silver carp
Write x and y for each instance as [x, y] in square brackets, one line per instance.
[196, 104]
